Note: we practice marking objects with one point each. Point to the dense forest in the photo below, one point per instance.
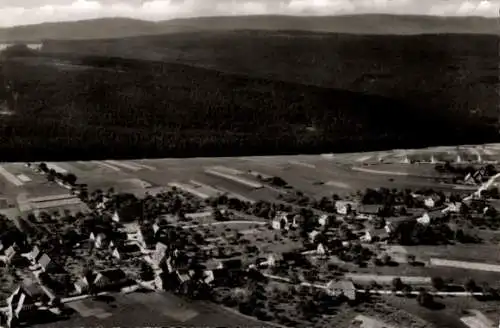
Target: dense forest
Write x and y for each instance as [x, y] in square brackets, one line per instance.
[457, 73]
[102, 107]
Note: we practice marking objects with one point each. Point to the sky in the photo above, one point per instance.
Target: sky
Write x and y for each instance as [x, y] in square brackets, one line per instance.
[23, 12]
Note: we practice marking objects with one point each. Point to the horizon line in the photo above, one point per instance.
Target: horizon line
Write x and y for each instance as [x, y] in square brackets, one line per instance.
[5, 27]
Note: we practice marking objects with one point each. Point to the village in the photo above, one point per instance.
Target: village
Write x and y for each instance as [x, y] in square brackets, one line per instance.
[391, 257]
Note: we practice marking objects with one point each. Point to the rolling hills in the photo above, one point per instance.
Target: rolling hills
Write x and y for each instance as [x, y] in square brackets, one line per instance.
[453, 73]
[357, 24]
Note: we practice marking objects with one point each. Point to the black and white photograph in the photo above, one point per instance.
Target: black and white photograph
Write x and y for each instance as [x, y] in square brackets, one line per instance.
[250, 163]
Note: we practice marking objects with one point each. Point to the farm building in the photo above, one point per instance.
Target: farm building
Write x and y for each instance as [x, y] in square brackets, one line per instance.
[343, 207]
[321, 249]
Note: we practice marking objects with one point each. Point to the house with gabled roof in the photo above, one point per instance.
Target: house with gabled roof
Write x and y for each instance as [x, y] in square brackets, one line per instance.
[20, 304]
[110, 279]
[82, 285]
[367, 237]
[8, 255]
[321, 249]
[33, 255]
[123, 251]
[312, 235]
[43, 263]
[344, 288]
[424, 219]
[343, 206]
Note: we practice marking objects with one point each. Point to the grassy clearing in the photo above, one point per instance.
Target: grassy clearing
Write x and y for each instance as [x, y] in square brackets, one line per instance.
[474, 253]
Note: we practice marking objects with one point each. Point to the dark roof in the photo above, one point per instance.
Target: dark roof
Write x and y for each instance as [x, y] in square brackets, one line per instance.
[129, 248]
[369, 209]
[232, 264]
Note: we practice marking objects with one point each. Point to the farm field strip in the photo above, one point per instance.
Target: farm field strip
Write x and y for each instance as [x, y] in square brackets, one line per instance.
[144, 166]
[10, 177]
[56, 167]
[363, 158]
[236, 195]
[206, 187]
[228, 170]
[465, 265]
[189, 189]
[24, 178]
[240, 180]
[106, 165]
[362, 169]
[474, 322]
[338, 184]
[299, 163]
[124, 165]
[57, 203]
[50, 198]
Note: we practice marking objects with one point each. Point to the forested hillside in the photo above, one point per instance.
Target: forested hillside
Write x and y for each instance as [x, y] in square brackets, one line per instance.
[458, 74]
[94, 107]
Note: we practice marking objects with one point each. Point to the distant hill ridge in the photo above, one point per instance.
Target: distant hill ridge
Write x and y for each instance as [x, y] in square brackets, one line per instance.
[106, 28]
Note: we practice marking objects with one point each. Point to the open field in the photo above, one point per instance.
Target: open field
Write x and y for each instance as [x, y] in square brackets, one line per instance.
[151, 309]
[335, 172]
[479, 253]
[449, 316]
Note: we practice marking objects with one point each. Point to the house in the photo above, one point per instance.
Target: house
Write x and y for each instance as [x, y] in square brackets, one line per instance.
[8, 255]
[43, 263]
[368, 210]
[424, 219]
[33, 255]
[343, 207]
[110, 279]
[323, 220]
[312, 235]
[429, 202]
[342, 288]
[160, 253]
[367, 237]
[158, 281]
[475, 178]
[123, 251]
[270, 261]
[137, 237]
[182, 276]
[81, 285]
[20, 304]
[453, 208]
[98, 239]
[321, 249]
[280, 221]
[116, 217]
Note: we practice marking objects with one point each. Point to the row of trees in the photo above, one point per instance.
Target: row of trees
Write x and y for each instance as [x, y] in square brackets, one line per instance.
[53, 175]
